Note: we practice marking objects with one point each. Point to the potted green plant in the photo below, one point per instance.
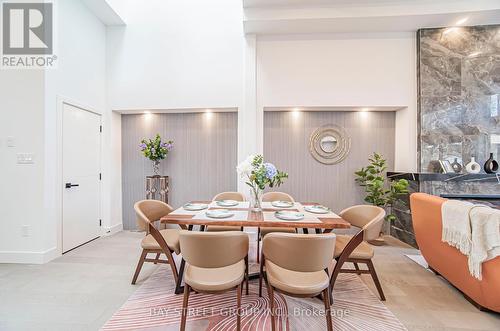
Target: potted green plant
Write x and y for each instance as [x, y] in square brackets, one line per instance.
[379, 190]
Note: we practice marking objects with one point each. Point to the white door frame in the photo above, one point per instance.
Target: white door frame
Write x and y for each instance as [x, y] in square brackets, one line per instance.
[61, 101]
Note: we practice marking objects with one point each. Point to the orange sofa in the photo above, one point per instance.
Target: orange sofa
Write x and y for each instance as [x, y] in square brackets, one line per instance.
[448, 261]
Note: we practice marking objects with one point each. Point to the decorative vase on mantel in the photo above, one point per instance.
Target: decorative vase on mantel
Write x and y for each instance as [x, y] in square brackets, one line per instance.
[156, 168]
[491, 165]
[473, 167]
[457, 167]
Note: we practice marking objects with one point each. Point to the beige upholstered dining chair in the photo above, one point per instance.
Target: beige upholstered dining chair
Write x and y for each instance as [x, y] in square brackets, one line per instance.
[156, 241]
[216, 262]
[355, 249]
[236, 196]
[297, 265]
[261, 232]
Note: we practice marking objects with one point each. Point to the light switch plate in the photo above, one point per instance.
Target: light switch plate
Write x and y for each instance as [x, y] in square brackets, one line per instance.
[11, 142]
[25, 158]
[25, 229]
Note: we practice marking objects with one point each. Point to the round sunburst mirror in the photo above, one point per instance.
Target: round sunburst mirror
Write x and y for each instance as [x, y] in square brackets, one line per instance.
[329, 144]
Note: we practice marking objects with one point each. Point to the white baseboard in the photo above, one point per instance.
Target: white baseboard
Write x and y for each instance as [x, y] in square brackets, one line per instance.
[27, 257]
[110, 230]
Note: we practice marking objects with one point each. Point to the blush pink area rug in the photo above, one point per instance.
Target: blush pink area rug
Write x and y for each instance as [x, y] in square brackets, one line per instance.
[154, 306]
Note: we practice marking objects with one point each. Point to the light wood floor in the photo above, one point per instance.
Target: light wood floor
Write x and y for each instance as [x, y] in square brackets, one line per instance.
[82, 289]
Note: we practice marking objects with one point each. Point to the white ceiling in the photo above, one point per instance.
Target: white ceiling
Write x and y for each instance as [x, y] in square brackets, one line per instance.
[272, 3]
[342, 16]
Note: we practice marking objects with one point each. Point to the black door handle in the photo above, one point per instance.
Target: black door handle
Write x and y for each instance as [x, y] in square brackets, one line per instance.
[69, 185]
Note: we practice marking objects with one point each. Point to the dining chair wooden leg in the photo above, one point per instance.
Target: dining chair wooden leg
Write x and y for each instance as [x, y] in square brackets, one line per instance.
[258, 244]
[171, 262]
[238, 306]
[328, 314]
[139, 265]
[261, 275]
[157, 258]
[184, 307]
[247, 271]
[271, 305]
[369, 263]
[178, 283]
[356, 266]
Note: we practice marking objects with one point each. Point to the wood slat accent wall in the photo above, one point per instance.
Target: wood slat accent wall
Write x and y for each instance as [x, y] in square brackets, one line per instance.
[202, 163]
[286, 144]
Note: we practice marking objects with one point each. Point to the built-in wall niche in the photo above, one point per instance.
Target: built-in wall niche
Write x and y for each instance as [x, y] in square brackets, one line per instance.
[287, 144]
[201, 164]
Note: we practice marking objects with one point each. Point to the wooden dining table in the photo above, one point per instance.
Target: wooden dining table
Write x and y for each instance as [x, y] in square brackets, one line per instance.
[246, 217]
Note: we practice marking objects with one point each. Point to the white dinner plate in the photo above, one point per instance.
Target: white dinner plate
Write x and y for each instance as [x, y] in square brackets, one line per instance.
[282, 204]
[317, 209]
[219, 213]
[195, 206]
[227, 203]
[289, 215]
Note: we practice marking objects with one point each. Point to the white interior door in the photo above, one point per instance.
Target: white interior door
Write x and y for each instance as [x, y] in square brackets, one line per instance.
[81, 176]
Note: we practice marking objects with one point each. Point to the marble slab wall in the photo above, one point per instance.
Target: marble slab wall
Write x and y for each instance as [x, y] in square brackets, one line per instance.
[458, 111]
[459, 93]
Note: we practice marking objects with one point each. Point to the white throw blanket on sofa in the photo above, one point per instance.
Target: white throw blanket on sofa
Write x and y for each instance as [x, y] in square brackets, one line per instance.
[472, 229]
[485, 225]
[456, 225]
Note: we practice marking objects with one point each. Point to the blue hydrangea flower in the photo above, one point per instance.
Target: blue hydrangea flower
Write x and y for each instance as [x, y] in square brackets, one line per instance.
[142, 146]
[271, 170]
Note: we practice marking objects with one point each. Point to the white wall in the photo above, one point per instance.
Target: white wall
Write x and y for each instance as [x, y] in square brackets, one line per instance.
[184, 54]
[81, 78]
[176, 54]
[21, 188]
[343, 70]
[31, 193]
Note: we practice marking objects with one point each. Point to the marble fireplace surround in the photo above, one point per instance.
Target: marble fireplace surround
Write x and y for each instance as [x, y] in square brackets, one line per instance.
[458, 114]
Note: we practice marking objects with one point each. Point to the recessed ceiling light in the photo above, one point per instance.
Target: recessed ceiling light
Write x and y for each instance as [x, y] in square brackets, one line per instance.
[365, 109]
[208, 113]
[461, 21]
[147, 112]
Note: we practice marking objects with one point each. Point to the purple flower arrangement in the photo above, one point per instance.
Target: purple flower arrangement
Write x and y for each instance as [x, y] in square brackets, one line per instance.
[155, 149]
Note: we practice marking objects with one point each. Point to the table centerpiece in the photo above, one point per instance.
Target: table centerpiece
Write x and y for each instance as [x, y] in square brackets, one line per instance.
[259, 175]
